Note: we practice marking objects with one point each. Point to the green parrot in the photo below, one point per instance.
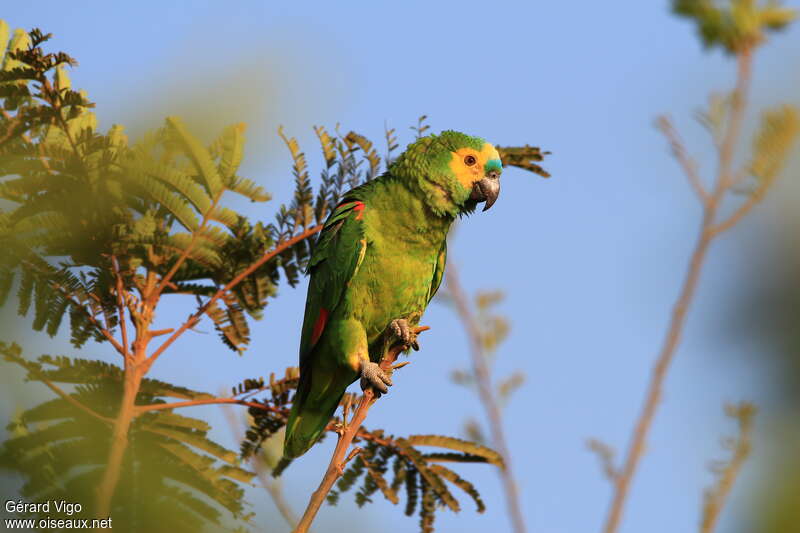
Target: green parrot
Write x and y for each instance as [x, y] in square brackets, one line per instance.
[377, 263]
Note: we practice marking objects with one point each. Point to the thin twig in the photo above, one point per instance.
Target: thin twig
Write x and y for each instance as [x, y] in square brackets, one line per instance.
[605, 454]
[69, 296]
[158, 332]
[742, 211]
[139, 409]
[348, 432]
[679, 151]
[192, 320]
[121, 307]
[723, 183]
[68, 397]
[96, 323]
[716, 497]
[490, 403]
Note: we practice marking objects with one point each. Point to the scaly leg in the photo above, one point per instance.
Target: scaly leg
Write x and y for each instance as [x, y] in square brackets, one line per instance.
[404, 333]
[373, 376]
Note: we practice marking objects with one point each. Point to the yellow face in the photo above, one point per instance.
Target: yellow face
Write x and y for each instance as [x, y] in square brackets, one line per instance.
[470, 165]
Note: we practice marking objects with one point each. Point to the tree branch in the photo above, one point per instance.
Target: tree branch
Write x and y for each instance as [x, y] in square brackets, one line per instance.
[195, 318]
[716, 497]
[741, 212]
[490, 404]
[723, 183]
[105, 331]
[121, 307]
[68, 397]
[186, 251]
[346, 435]
[139, 409]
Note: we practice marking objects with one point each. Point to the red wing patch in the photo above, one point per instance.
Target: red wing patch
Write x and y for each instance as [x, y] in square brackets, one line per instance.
[359, 208]
[319, 326]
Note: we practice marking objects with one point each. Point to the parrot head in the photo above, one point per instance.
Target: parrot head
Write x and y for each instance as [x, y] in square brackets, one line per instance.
[453, 171]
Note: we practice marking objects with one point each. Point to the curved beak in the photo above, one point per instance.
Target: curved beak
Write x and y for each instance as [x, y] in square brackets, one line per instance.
[487, 189]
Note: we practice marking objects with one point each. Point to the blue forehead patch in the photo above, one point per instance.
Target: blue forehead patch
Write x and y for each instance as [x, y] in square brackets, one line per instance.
[493, 164]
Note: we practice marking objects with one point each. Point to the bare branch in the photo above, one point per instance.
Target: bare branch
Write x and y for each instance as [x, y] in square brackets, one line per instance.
[605, 454]
[490, 403]
[715, 497]
[741, 212]
[158, 332]
[688, 164]
[723, 183]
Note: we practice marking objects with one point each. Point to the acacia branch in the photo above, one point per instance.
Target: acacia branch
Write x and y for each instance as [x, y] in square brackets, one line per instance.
[121, 307]
[68, 397]
[96, 323]
[490, 404]
[724, 181]
[186, 251]
[195, 318]
[28, 141]
[139, 409]
[346, 435]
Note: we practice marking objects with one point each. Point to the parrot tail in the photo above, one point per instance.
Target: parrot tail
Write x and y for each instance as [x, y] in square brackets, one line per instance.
[309, 415]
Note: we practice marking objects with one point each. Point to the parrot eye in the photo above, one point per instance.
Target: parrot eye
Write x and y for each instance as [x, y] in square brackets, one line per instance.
[470, 160]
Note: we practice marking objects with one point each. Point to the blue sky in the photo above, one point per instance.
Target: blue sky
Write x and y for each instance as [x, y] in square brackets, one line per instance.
[591, 259]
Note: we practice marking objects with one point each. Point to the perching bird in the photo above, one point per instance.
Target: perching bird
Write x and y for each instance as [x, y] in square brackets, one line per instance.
[377, 263]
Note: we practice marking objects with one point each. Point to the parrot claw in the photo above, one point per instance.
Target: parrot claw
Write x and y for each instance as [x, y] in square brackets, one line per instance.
[405, 333]
[373, 376]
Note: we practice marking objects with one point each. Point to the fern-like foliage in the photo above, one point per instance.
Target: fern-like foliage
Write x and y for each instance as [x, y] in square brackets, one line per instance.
[100, 229]
[83, 197]
[173, 471]
[387, 464]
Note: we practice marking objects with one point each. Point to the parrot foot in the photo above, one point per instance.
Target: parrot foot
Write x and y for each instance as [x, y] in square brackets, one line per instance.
[373, 376]
[405, 333]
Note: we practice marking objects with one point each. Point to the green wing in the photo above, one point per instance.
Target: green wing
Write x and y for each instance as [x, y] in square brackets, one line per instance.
[335, 260]
[438, 272]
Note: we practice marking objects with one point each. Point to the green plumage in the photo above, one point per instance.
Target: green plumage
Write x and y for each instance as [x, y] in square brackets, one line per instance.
[380, 257]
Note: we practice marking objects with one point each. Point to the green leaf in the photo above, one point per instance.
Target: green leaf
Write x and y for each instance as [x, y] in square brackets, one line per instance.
[180, 181]
[388, 492]
[4, 32]
[6, 280]
[773, 142]
[463, 484]
[248, 189]
[197, 153]
[230, 146]
[19, 41]
[459, 445]
[176, 205]
[62, 78]
[429, 476]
